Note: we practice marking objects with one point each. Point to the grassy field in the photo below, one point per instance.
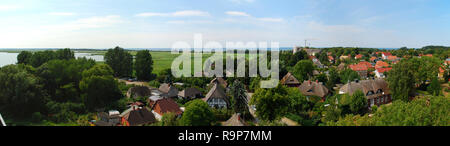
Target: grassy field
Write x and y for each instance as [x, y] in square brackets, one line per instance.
[162, 59]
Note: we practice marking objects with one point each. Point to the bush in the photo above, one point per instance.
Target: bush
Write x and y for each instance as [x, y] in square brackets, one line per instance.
[154, 83]
[36, 117]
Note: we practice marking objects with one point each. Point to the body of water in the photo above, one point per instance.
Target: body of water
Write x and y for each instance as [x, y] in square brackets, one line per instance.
[11, 58]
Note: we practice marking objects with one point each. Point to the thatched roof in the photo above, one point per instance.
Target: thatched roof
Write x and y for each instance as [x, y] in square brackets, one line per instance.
[378, 87]
[190, 93]
[220, 81]
[217, 91]
[139, 91]
[235, 120]
[310, 88]
[289, 79]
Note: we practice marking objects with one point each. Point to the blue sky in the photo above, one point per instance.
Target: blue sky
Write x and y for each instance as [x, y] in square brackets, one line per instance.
[160, 23]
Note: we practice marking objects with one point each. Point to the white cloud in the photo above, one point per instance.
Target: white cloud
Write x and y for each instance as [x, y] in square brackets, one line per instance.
[242, 1]
[267, 19]
[9, 7]
[175, 14]
[190, 22]
[92, 22]
[62, 14]
[236, 13]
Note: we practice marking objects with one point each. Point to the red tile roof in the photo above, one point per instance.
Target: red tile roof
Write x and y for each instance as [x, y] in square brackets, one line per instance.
[166, 105]
[330, 58]
[358, 67]
[382, 70]
[381, 64]
[369, 65]
[373, 58]
[387, 54]
[392, 57]
[359, 56]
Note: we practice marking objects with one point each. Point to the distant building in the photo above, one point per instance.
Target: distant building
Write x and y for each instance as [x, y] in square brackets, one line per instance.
[385, 55]
[360, 68]
[310, 52]
[168, 90]
[309, 88]
[381, 72]
[289, 80]
[331, 59]
[344, 57]
[190, 93]
[220, 81]
[359, 56]
[112, 118]
[393, 58]
[376, 91]
[139, 91]
[381, 64]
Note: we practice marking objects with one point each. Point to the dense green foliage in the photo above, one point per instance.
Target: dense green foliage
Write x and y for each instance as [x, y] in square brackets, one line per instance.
[144, 65]
[197, 113]
[99, 78]
[24, 57]
[239, 97]
[354, 104]
[348, 75]
[271, 103]
[120, 61]
[303, 70]
[428, 111]
[21, 93]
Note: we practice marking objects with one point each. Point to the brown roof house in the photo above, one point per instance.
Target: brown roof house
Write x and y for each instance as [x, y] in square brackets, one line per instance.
[217, 97]
[220, 81]
[190, 93]
[161, 106]
[375, 90]
[290, 81]
[309, 88]
[168, 90]
[235, 120]
[139, 91]
[137, 116]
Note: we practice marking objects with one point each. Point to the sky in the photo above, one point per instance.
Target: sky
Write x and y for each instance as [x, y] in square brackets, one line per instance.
[161, 23]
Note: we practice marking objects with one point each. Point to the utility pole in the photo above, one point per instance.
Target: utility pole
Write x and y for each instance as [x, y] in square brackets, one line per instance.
[3, 121]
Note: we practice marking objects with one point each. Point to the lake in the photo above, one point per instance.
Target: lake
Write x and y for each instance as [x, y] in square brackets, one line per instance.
[11, 58]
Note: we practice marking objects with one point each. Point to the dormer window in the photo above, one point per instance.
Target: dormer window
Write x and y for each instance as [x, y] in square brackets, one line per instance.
[370, 93]
[310, 90]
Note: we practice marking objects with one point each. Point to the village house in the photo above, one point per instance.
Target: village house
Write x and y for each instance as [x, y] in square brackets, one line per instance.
[139, 91]
[381, 64]
[360, 68]
[112, 118]
[161, 106]
[235, 120]
[381, 72]
[217, 97]
[289, 80]
[220, 81]
[190, 93]
[137, 116]
[393, 58]
[376, 91]
[317, 62]
[359, 56]
[331, 59]
[309, 88]
[168, 90]
[385, 55]
[345, 57]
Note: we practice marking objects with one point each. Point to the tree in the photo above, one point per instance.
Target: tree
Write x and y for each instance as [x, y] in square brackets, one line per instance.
[42, 57]
[435, 87]
[144, 65]
[99, 88]
[169, 119]
[271, 103]
[65, 54]
[24, 57]
[120, 61]
[303, 70]
[298, 102]
[348, 75]
[197, 113]
[295, 58]
[427, 111]
[21, 94]
[399, 79]
[333, 78]
[239, 97]
[357, 102]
